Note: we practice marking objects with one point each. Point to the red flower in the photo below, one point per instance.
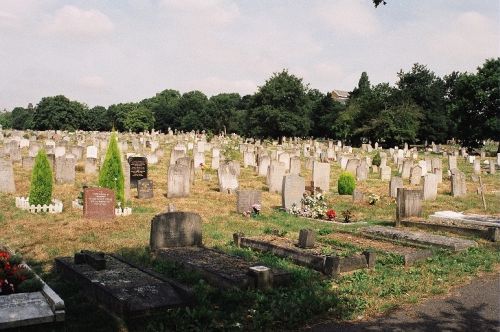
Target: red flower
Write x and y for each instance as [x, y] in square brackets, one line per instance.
[331, 214]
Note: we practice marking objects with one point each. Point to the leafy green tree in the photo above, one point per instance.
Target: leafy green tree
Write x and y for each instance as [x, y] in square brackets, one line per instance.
[139, 120]
[165, 108]
[22, 118]
[323, 116]
[41, 180]
[363, 88]
[96, 119]
[58, 113]
[117, 113]
[222, 112]
[6, 119]
[193, 107]
[281, 107]
[427, 90]
[111, 173]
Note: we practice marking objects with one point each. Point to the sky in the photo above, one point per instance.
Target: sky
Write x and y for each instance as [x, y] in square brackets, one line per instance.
[102, 52]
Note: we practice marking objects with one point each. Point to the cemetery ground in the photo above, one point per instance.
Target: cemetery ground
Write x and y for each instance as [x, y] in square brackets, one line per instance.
[311, 297]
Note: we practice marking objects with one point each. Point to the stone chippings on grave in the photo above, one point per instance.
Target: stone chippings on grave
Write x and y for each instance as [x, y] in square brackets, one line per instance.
[98, 203]
[292, 191]
[458, 184]
[7, 184]
[275, 176]
[245, 199]
[228, 178]
[175, 229]
[321, 176]
[178, 182]
[415, 175]
[430, 187]
[395, 183]
[408, 204]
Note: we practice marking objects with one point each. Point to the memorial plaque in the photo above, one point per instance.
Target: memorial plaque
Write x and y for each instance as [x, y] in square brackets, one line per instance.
[138, 170]
[145, 188]
[98, 203]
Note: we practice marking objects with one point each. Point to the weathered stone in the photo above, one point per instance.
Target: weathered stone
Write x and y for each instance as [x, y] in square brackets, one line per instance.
[178, 184]
[405, 172]
[175, 229]
[416, 175]
[28, 162]
[292, 191]
[65, 169]
[264, 162]
[358, 196]
[452, 162]
[477, 166]
[275, 176]
[228, 178]
[385, 173]
[307, 237]
[362, 172]
[492, 167]
[145, 189]
[430, 187]
[90, 165]
[408, 204]
[394, 184]
[458, 184]
[321, 176]
[295, 165]
[352, 165]
[245, 199]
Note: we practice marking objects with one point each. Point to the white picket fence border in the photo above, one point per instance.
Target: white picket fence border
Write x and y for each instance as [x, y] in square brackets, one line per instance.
[123, 212]
[24, 204]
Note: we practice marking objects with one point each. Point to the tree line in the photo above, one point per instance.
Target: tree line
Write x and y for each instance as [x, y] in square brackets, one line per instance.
[420, 107]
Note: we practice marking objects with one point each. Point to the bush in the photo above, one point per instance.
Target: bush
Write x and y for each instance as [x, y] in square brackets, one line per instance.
[111, 173]
[41, 180]
[346, 183]
[376, 159]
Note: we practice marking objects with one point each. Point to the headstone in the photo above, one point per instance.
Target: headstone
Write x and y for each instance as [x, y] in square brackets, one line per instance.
[292, 191]
[177, 153]
[91, 166]
[228, 178]
[285, 159]
[452, 162]
[394, 184]
[28, 162]
[175, 229]
[352, 165]
[248, 159]
[295, 165]
[98, 203]
[91, 152]
[138, 170]
[275, 177]
[65, 169]
[458, 185]
[126, 179]
[477, 166]
[307, 237]
[264, 162]
[416, 175]
[7, 184]
[321, 176]
[385, 173]
[407, 165]
[362, 172]
[358, 196]
[430, 187]
[439, 175]
[215, 158]
[492, 167]
[145, 189]
[245, 199]
[408, 204]
[178, 184]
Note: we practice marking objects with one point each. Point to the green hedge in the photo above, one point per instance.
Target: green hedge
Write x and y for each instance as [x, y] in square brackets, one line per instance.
[346, 183]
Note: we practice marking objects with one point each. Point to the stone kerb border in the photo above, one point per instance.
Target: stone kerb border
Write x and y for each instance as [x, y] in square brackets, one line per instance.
[24, 204]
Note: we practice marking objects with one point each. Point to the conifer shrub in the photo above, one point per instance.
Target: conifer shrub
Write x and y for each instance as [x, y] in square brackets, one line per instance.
[111, 173]
[376, 159]
[346, 183]
[41, 180]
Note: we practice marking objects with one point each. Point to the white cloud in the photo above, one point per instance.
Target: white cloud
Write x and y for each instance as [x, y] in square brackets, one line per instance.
[213, 12]
[92, 82]
[214, 85]
[73, 21]
[349, 17]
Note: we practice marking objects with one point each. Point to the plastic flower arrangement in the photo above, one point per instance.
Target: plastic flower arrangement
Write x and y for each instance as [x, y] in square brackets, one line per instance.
[331, 214]
[16, 277]
[313, 206]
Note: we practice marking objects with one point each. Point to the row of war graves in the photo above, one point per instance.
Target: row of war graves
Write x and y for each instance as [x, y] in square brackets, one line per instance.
[177, 236]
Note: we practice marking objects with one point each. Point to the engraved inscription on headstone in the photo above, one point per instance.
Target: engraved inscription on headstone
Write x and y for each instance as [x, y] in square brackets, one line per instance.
[98, 203]
[145, 188]
[138, 170]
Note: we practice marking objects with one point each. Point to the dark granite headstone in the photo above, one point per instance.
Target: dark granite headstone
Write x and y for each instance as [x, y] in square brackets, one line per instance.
[138, 170]
[98, 203]
[145, 188]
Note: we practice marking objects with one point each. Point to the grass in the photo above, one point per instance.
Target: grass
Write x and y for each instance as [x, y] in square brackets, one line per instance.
[310, 297]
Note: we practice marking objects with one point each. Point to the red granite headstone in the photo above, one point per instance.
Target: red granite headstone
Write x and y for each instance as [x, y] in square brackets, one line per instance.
[98, 203]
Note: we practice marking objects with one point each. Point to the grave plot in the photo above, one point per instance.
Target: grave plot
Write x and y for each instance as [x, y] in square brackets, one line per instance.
[317, 256]
[30, 309]
[487, 227]
[410, 254]
[418, 238]
[220, 269]
[123, 288]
